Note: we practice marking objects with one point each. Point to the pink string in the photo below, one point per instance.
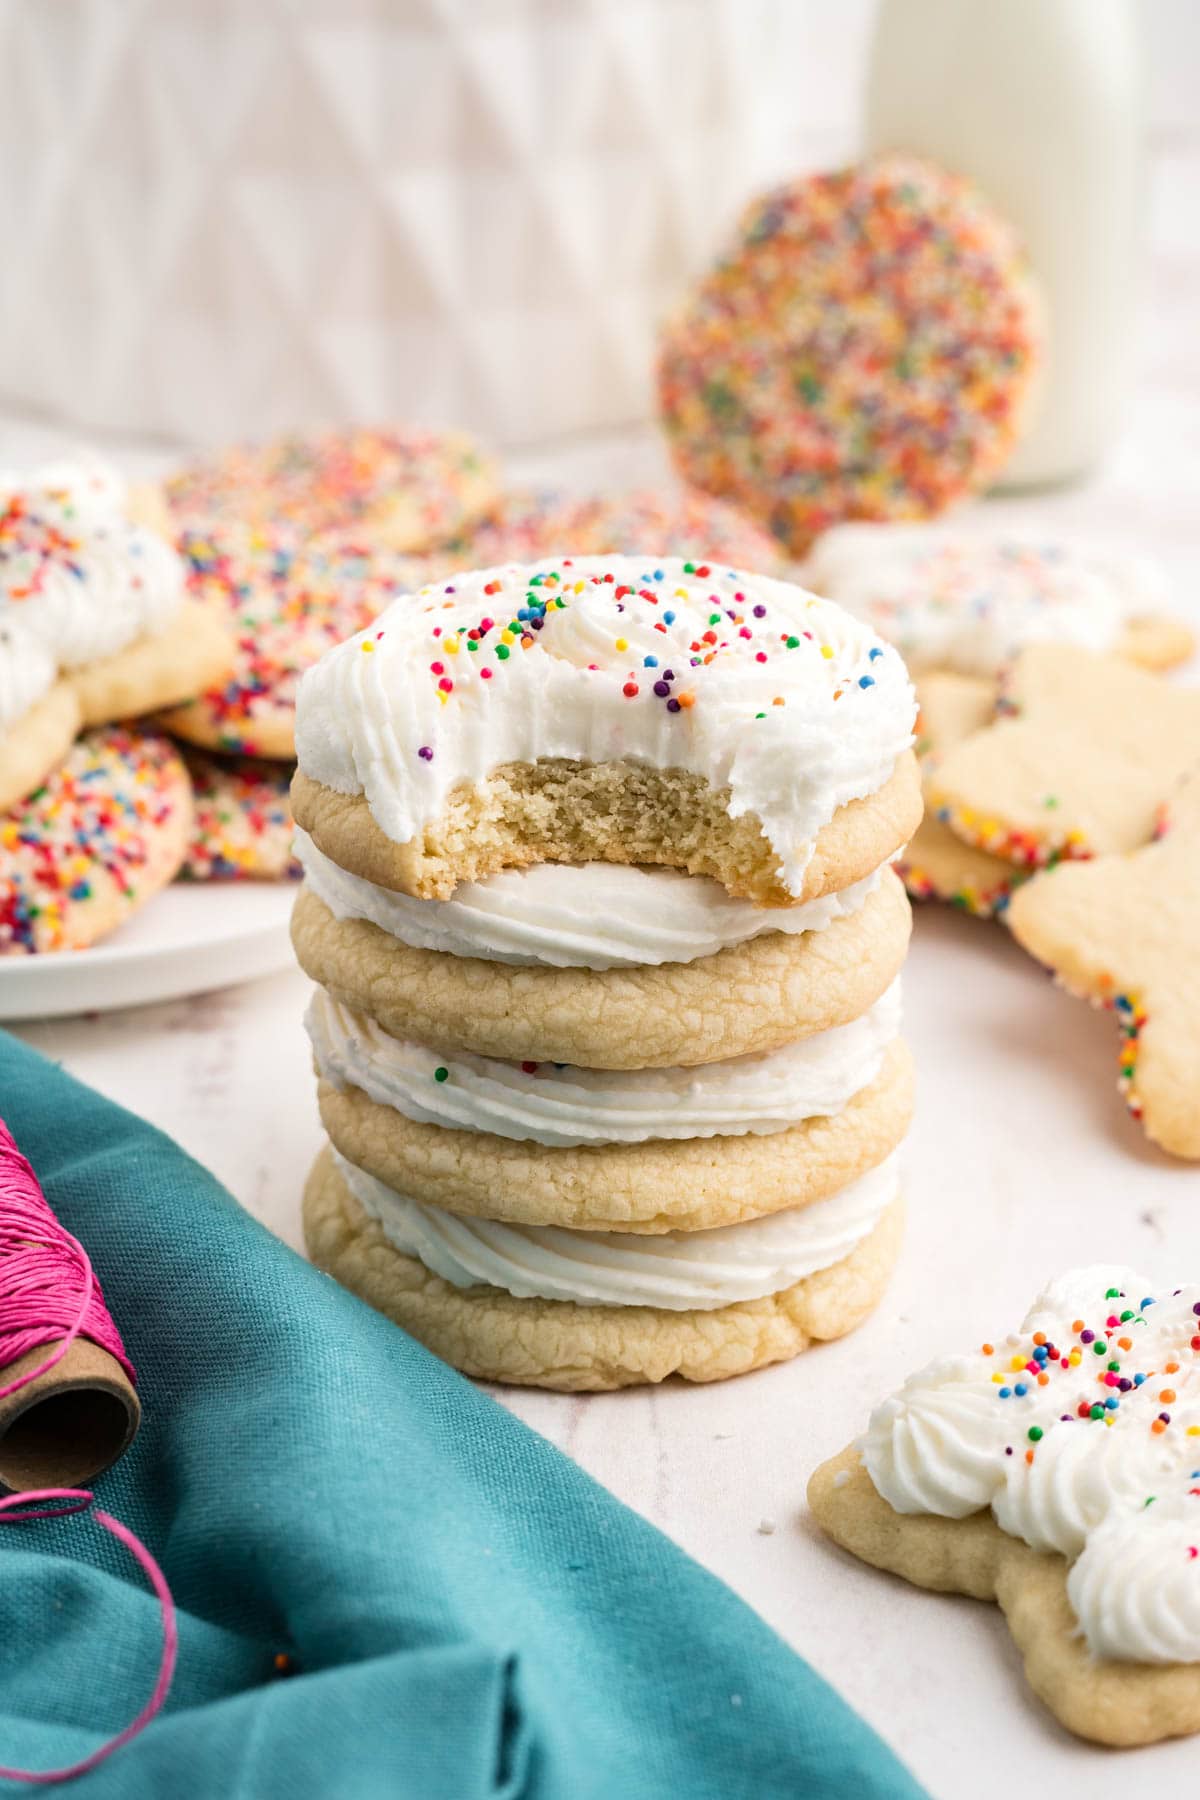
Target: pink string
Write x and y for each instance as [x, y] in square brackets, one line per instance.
[49, 1295]
[82, 1499]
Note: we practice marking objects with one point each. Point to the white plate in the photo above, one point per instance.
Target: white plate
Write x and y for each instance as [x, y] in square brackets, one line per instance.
[188, 940]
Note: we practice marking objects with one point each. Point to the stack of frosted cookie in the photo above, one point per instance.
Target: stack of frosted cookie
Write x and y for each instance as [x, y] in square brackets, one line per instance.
[599, 903]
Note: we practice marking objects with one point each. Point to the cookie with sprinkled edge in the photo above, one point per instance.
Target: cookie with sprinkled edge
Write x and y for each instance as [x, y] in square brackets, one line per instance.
[609, 709]
[1018, 1474]
[1083, 753]
[935, 864]
[967, 598]
[747, 998]
[106, 831]
[287, 601]
[1124, 932]
[866, 349]
[243, 826]
[558, 1344]
[411, 490]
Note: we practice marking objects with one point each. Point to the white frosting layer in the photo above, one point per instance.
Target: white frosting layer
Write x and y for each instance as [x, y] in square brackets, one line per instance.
[27, 671]
[569, 916]
[74, 570]
[1121, 1496]
[953, 597]
[680, 1271]
[560, 1105]
[820, 720]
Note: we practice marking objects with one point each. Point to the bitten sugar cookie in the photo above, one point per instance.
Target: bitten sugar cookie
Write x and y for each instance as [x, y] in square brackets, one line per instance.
[101, 593]
[936, 864]
[612, 709]
[411, 490]
[1124, 931]
[588, 1311]
[106, 831]
[1057, 1472]
[865, 349]
[968, 599]
[243, 826]
[1087, 752]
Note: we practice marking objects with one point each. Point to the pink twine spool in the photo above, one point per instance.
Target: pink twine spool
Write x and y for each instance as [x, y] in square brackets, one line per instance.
[49, 1295]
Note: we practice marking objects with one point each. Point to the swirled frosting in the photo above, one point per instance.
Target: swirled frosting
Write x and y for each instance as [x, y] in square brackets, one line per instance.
[1081, 1432]
[27, 671]
[679, 1270]
[573, 916]
[556, 1104]
[956, 598]
[748, 682]
[81, 577]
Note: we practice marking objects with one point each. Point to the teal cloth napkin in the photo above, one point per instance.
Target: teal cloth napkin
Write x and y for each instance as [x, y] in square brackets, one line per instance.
[467, 1612]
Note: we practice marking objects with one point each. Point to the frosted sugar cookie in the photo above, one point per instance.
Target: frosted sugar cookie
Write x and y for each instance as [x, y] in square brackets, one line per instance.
[1085, 753]
[642, 1150]
[593, 1310]
[101, 593]
[1054, 1471]
[865, 349]
[409, 489]
[753, 994]
[613, 709]
[287, 601]
[39, 715]
[936, 864]
[107, 830]
[243, 826]
[1124, 932]
[968, 598]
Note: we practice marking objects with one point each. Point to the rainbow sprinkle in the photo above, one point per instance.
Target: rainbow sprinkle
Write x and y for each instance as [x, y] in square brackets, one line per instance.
[243, 821]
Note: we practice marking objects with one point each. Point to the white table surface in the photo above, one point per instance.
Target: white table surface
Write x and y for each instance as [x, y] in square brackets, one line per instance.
[1021, 1163]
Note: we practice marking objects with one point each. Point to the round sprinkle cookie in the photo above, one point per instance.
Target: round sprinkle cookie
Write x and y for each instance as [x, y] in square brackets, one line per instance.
[106, 831]
[243, 827]
[288, 602]
[865, 350]
[409, 489]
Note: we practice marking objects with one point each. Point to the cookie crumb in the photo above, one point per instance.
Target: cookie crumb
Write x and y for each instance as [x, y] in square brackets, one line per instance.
[766, 1527]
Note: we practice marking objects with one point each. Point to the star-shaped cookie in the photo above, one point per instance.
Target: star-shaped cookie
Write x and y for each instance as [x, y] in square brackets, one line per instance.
[1124, 932]
[936, 864]
[1083, 753]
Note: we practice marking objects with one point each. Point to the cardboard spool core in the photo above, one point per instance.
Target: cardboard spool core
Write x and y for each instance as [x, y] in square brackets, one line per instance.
[69, 1425]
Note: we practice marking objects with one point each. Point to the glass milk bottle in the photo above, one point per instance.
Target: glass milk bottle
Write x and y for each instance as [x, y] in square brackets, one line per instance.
[1040, 103]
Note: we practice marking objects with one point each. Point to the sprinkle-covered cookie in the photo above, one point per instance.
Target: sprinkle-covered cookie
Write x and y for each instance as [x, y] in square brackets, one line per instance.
[288, 601]
[1124, 932]
[410, 489]
[106, 831]
[1082, 755]
[243, 827]
[610, 709]
[1056, 1471]
[968, 598]
[864, 350]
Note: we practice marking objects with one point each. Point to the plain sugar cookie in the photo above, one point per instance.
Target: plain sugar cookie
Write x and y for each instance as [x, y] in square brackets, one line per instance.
[493, 1336]
[689, 1184]
[751, 997]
